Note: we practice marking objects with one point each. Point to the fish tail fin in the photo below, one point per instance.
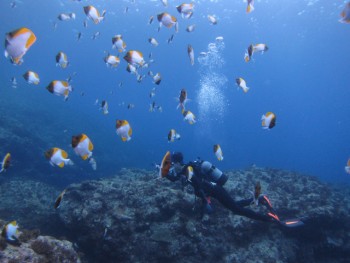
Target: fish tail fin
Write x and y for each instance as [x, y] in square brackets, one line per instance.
[68, 162]
[250, 8]
[92, 161]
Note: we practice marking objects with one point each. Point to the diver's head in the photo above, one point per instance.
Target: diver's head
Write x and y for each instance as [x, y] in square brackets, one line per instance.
[177, 161]
[177, 157]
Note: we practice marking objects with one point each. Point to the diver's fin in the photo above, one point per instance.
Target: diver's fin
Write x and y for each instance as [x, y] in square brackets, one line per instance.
[295, 222]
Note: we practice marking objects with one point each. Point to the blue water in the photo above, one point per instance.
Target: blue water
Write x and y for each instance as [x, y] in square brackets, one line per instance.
[302, 78]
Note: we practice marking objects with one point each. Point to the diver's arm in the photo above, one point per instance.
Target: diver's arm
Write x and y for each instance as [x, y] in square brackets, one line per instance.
[197, 186]
[172, 176]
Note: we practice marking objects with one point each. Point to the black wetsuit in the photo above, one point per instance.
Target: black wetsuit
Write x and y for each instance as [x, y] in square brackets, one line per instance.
[204, 188]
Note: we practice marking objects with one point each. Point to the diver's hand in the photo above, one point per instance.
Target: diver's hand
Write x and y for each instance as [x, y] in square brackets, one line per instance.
[156, 166]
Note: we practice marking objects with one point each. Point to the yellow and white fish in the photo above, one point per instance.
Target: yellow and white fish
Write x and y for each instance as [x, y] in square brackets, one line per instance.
[347, 167]
[83, 147]
[249, 53]
[268, 121]
[189, 173]
[118, 43]
[182, 99]
[104, 107]
[153, 41]
[17, 43]
[92, 13]
[5, 164]
[260, 48]
[212, 19]
[66, 17]
[10, 231]
[132, 69]
[135, 58]
[157, 79]
[57, 156]
[165, 165]
[31, 77]
[61, 60]
[124, 130]
[242, 84]
[250, 6]
[173, 135]
[188, 116]
[190, 52]
[186, 10]
[167, 20]
[59, 199]
[112, 61]
[190, 28]
[60, 88]
[345, 14]
[218, 152]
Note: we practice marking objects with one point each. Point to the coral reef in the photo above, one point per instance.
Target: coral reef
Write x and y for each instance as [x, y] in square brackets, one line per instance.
[135, 217]
[30, 203]
[34, 248]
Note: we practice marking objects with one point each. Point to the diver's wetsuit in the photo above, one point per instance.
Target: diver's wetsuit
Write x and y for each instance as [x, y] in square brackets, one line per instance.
[204, 189]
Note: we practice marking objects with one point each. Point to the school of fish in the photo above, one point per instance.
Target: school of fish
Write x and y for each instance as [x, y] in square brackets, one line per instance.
[19, 41]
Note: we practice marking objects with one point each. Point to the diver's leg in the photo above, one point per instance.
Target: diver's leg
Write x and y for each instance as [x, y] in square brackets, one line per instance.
[226, 200]
[244, 202]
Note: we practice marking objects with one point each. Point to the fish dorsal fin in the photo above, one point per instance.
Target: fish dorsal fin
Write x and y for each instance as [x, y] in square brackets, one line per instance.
[31, 40]
[130, 131]
[64, 154]
[91, 146]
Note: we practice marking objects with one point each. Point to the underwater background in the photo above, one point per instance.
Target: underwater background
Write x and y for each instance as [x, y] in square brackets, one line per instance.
[302, 78]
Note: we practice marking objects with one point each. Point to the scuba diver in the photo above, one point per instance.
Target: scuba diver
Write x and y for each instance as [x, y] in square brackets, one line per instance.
[207, 181]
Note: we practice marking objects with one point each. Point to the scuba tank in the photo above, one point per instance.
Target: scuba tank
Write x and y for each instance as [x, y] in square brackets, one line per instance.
[212, 173]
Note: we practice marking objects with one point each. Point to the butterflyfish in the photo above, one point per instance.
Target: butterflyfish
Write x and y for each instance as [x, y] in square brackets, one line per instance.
[92, 13]
[190, 52]
[31, 77]
[61, 60]
[58, 157]
[188, 116]
[242, 84]
[167, 20]
[173, 135]
[10, 231]
[59, 199]
[60, 88]
[268, 121]
[118, 43]
[17, 43]
[218, 152]
[5, 164]
[123, 130]
[135, 58]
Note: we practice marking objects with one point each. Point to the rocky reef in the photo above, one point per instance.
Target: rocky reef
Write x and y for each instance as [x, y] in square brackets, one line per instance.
[137, 217]
[30, 203]
[34, 248]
